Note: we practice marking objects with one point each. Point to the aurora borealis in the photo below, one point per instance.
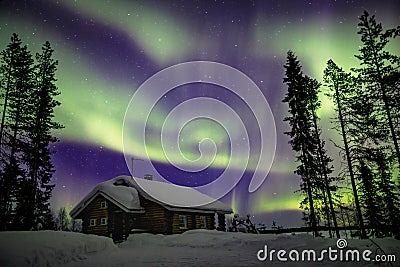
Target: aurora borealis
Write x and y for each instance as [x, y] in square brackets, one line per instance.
[107, 49]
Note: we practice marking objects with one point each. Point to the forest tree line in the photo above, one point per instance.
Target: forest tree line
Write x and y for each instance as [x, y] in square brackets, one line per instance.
[27, 101]
[367, 118]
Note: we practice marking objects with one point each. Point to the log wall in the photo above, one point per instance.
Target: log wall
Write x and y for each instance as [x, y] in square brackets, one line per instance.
[94, 211]
[155, 219]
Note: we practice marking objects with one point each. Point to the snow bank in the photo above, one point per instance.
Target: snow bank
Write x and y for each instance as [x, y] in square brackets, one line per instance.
[213, 248]
[196, 239]
[48, 248]
[192, 248]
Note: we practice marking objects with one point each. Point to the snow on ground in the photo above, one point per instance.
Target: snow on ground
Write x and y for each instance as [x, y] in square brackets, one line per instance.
[49, 248]
[192, 248]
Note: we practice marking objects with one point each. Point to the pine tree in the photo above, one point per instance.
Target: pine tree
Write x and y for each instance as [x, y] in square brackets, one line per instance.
[18, 62]
[26, 134]
[38, 155]
[341, 93]
[19, 114]
[370, 199]
[389, 194]
[9, 57]
[366, 130]
[301, 133]
[323, 160]
[306, 141]
[378, 67]
[372, 106]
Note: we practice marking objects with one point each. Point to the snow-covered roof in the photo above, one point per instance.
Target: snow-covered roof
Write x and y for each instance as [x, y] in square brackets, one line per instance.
[124, 192]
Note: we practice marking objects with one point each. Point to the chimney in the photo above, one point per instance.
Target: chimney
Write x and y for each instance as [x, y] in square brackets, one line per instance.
[148, 177]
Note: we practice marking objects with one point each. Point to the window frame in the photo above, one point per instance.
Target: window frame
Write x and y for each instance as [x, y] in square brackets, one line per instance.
[103, 204]
[184, 221]
[203, 222]
[94, 222]
[101, 221]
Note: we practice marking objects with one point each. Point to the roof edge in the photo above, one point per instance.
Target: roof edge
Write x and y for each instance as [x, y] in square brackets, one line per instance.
[74, 213]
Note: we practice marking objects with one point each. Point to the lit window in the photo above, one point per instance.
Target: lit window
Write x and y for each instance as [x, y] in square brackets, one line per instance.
[103, 204]
[103, 221]
[92, 222]
[182, 222]
[203, 222]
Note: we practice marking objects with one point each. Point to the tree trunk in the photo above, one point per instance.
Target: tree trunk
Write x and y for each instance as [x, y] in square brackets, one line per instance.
[350, 165]
[3, 117]
[385, 99]
[325, 177]
[313, 221]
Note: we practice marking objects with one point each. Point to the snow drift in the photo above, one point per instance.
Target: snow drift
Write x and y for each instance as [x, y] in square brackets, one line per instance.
[48, 248]
[192, 248]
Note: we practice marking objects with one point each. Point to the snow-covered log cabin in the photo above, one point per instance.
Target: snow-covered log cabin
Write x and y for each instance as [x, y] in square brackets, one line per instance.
[122, 205]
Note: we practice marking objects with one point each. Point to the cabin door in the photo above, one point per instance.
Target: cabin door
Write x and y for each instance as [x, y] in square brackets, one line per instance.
[118, 234]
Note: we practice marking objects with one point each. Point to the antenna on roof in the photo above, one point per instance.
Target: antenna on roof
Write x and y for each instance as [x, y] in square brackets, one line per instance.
[132, 169]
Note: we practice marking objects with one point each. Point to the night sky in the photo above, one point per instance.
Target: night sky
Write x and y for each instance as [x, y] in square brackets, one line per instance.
[108, 49]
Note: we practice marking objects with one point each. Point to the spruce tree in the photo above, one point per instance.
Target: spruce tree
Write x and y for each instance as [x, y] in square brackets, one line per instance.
[19, 114]
[388, 192]
[366, 130]
[42, 168]
[9, 57]
[342, 92]
[323, 160]
[38, 156]
[373, 125]
[370, 199]
[14, 140]
[28, 101]
[301, 133]
[378, 67]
